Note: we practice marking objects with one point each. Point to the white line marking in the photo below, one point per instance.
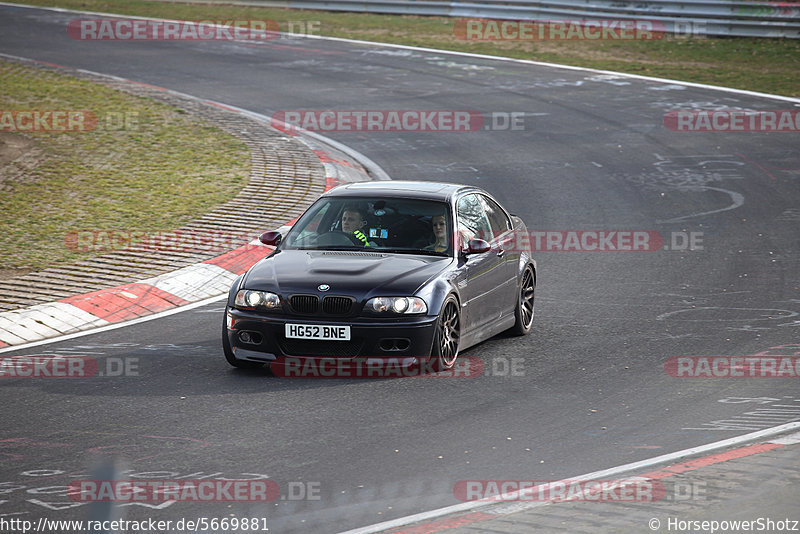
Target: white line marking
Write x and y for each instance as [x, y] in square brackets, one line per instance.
[462, 54]
[565, 67]
[467, 506]
[597, 475]
[737, 198]
[118, 325]
[791, 439]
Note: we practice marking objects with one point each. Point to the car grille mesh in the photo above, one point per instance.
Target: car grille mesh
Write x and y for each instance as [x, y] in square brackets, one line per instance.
[308, 304]
[305, 303]
[337, 305]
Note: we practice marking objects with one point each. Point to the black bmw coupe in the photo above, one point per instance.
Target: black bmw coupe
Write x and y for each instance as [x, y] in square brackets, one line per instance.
[394, 269]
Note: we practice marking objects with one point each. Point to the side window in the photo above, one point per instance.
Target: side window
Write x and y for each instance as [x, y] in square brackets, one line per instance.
[497, 217]
[472, 221]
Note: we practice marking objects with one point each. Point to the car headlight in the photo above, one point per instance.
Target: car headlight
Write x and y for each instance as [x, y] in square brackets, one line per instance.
[404, 305]
[249, 300]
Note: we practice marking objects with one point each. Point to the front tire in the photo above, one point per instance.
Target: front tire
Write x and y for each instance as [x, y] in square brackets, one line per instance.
[226, 349]
[448, 335]
[524, 311]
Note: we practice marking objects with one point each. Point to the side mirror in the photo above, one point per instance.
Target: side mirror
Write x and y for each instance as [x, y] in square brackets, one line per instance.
[270, 238]
[477, 246]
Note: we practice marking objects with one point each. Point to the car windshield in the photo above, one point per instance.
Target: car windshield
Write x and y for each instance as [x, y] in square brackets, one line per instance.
[378, 224]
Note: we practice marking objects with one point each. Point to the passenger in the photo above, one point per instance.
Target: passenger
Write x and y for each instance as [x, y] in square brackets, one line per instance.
[439, 223]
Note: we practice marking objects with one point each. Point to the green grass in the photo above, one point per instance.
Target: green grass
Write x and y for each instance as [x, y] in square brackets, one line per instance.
[158, 172]
[766, 65]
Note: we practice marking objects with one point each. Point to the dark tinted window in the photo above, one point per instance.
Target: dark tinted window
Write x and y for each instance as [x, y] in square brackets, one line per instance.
[497, 217]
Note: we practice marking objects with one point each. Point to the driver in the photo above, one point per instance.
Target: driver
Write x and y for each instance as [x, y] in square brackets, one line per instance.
[354, 219]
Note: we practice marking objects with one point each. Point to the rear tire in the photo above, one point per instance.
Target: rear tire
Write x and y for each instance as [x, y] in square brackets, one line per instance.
[226, 349]
[448, 335]
[524, 311]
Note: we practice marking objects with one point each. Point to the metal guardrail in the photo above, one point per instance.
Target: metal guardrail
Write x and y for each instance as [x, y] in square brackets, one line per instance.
[686, 17]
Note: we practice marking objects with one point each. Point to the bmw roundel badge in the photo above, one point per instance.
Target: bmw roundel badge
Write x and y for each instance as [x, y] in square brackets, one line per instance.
[323, 287]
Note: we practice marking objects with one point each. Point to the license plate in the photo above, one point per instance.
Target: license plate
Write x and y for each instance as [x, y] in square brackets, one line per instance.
[319, 332]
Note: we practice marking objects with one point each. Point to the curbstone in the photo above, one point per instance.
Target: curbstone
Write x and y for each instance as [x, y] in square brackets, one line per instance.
[289, 171]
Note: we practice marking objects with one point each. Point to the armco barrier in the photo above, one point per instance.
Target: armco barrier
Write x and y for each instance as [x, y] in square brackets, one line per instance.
[685, 17]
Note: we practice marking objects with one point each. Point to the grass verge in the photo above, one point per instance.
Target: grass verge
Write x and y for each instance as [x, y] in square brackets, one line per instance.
[146, 166]
[765, 65]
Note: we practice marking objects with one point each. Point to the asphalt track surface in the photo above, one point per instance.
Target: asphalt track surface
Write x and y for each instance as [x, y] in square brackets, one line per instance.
[591, 391]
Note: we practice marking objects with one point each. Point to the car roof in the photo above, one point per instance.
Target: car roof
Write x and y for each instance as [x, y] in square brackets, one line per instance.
[403, 189]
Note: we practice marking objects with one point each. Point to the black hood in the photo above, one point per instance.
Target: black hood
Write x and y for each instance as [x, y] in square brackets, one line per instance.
[357, 274]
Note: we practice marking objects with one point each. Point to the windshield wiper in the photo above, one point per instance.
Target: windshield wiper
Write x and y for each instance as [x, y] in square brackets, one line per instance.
[414, 251]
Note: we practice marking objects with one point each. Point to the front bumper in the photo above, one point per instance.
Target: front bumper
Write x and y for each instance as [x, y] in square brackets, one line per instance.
[261, 337]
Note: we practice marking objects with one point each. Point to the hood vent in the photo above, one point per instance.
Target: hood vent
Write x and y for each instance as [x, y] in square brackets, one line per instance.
[357, 254]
